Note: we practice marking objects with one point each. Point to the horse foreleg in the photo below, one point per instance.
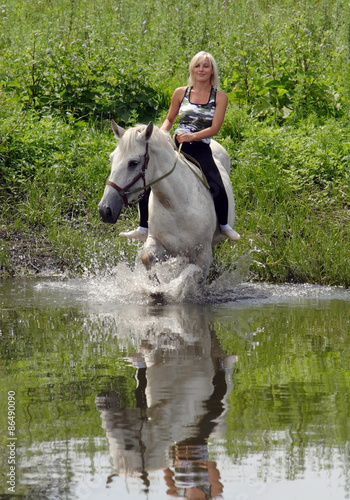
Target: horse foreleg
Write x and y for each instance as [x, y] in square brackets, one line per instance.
[203, 260]
[152, 252]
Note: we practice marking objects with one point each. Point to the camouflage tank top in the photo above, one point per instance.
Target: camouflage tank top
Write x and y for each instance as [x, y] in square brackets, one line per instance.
[196, 117]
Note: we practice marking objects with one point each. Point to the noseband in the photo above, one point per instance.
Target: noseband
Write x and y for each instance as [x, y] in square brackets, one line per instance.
[125, 191]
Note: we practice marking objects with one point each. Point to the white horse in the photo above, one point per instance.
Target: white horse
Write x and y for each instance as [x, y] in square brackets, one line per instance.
[182, 219]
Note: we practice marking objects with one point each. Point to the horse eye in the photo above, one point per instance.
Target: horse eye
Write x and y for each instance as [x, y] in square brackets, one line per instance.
[133, 163]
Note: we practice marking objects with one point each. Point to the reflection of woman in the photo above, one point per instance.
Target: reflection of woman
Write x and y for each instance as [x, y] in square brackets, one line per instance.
[195, 476]
[201, 108]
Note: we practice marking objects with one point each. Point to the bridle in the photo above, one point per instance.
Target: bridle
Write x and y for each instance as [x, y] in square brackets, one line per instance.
[125, 191]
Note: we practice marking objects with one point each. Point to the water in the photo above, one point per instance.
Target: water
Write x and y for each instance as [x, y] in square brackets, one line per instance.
[128, 388]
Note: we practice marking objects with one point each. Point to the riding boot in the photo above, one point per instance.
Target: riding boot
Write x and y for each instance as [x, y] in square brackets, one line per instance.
[136, 234]
[231, 234]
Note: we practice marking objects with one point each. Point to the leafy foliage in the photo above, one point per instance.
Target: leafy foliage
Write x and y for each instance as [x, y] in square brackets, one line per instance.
[81, 79]
[281, 69]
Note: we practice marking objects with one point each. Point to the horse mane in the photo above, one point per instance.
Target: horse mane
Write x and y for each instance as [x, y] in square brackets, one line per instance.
[159, 137]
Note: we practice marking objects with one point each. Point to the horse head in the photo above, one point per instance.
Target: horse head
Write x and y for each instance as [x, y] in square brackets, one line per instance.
[129, 161]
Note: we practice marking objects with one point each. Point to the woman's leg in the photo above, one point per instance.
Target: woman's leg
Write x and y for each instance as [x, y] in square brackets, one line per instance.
[143, 208]
[141, 232]
[203, 154]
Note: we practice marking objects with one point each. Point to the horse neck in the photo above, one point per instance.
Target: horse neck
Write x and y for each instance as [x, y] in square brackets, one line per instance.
[174, 183]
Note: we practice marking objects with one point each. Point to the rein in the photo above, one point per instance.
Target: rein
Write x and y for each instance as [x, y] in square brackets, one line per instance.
[125, 191]
[202, 177]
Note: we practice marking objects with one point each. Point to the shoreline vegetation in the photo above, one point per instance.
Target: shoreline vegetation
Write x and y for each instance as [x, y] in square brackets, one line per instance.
[68, 68]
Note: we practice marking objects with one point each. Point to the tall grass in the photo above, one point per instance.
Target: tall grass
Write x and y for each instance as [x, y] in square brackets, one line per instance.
[67, 67]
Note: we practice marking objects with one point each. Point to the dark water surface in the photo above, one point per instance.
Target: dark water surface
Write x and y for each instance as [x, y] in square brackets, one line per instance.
[240, 392]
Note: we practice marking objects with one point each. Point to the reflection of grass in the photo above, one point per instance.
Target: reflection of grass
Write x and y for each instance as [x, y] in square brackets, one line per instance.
[60, 361]
[290, 383]
[290, 388]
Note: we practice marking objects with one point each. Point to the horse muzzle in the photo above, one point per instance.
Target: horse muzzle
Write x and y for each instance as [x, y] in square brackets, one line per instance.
[107, 215]
[110, 208]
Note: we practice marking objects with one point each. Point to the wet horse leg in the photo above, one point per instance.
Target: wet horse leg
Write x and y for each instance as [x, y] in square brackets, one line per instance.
[152, 252]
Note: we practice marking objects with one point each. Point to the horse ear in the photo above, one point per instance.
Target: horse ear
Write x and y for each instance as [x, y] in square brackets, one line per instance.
[118, 131]
[146, 134]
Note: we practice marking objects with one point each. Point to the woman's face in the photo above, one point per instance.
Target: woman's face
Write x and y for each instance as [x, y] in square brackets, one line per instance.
[203, 71]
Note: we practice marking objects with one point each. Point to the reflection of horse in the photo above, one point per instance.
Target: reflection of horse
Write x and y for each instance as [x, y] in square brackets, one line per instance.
[184, 379]
[182, 219]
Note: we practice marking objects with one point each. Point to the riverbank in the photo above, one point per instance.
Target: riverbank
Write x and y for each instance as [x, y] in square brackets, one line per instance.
[21, 255]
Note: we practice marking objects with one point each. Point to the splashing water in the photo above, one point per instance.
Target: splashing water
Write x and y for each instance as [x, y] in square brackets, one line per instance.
[173, 281]
[176, 281]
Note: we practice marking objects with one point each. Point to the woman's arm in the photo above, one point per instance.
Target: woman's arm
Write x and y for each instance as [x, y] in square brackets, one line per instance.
[174, 108]
[219, 115]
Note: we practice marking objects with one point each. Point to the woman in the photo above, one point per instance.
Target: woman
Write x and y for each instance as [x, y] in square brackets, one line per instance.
[201, 108]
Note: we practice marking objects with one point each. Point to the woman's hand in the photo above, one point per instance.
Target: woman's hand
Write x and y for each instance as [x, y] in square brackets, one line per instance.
[184, 137]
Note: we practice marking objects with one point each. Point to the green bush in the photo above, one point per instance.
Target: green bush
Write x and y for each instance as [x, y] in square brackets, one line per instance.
[281, 68]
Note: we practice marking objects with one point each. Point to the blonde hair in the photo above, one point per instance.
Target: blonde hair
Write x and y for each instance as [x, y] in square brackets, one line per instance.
[214, 80]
